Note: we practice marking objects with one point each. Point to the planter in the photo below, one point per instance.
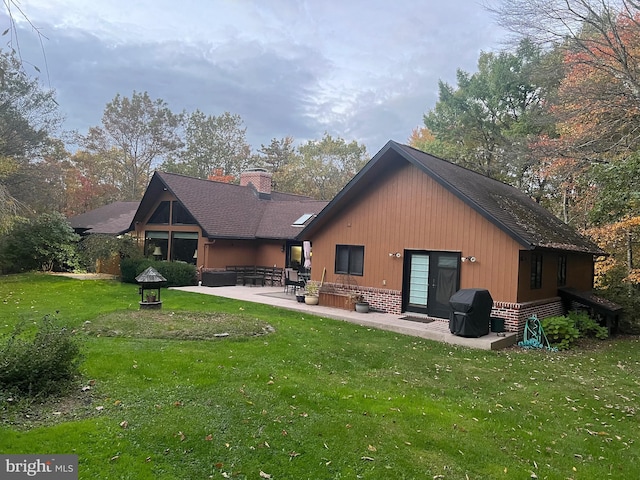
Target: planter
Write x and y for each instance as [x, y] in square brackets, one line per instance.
[362, 307]
[311, 299]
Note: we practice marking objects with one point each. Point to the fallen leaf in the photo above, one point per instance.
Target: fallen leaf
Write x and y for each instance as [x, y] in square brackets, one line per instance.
[181, 435]
[208, 438]
[294, 454]
[124, 424]
[368, 459]
[100, 408]
[114, 458]
[371, 448]
[148, 459]
[264, 475]
[284, 433]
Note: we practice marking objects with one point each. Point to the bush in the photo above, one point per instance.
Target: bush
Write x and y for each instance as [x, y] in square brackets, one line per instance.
[561, 332]
[42, 364]
[178, 274]
[45, 243]
[587, 326]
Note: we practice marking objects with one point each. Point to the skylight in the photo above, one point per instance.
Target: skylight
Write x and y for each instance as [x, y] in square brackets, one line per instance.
[302, 220]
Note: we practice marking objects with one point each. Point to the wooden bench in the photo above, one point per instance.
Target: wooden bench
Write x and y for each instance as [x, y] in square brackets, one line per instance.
[257, 273]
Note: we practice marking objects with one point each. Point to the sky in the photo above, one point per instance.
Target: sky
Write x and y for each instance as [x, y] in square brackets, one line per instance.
[363, 70]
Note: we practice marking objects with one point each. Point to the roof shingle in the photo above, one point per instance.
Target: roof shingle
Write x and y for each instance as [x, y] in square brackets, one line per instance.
[226, 210]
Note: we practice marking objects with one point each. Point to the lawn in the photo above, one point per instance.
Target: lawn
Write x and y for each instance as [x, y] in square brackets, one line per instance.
[304, 397]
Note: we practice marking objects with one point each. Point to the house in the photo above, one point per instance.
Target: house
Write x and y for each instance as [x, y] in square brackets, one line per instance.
[112, 219]
[215, 224]
[410, 229]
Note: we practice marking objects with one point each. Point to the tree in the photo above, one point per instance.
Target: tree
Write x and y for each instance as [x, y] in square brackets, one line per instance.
[136, 134]
[486, 122]
[324, 167]
[212, 143]
[423, 139]
[91, 182]
[600, 41]
[28, 118]
[277, 157]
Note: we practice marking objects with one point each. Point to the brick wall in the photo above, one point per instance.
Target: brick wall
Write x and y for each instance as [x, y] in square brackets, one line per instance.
[515, 315]
[380, 299]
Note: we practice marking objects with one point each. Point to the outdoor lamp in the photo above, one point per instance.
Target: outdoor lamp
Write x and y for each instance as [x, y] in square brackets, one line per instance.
[157, 253]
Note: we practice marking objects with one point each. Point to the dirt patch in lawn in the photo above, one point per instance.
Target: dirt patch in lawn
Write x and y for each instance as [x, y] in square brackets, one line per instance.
[176, 325]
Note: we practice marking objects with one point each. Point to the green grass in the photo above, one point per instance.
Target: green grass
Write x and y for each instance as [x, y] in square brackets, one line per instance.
[316, 398]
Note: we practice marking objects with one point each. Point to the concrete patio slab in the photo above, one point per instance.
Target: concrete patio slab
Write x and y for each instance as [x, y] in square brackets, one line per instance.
[436, 330]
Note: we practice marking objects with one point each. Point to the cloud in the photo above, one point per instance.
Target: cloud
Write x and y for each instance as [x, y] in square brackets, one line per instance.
[364, 72]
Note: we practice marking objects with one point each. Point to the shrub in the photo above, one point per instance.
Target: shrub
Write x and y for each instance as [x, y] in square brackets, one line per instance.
[46, 242]
[178, 274]
[587, 326]
[561, 332]
[42, 364]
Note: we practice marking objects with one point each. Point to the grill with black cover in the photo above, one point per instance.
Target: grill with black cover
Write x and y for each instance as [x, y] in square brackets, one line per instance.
[470, 313]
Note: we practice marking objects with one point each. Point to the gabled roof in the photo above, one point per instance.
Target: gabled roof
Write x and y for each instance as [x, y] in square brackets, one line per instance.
[112, 219]
[506, 207]
[224, 210]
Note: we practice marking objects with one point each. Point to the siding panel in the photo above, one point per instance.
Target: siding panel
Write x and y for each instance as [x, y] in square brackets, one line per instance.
[409, 210]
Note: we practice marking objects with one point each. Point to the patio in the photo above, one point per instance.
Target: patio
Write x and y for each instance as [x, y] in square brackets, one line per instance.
[435, 330]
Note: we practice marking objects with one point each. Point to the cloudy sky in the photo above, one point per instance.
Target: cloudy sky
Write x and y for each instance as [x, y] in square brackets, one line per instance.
[364, 70]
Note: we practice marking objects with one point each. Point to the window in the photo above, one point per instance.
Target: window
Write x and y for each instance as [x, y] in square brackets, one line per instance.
[349, 259]
[536, 271]
[562, 270]
[181, 216]
[161, 214]
[183, 246]
[153, 240]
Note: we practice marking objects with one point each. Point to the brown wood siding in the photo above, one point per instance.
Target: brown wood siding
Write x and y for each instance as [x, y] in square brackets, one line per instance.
[579, 274]
[270, 253]
[230, 252]
[409, 210]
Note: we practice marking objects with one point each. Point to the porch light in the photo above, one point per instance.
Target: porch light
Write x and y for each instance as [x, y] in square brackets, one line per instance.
[468, 259]
[157, 253]
[195, 254]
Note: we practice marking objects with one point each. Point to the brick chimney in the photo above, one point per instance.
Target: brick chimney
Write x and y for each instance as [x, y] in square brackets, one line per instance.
[259, 178]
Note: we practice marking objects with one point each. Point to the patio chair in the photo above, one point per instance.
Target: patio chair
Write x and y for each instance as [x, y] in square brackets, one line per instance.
[291, 279]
